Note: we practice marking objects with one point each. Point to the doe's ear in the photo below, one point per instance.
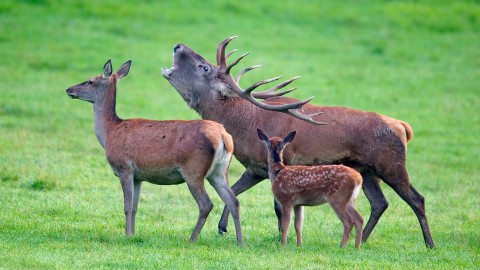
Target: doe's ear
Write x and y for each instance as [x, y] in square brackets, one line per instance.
[262, 135]
[124, 69]
[107, 68]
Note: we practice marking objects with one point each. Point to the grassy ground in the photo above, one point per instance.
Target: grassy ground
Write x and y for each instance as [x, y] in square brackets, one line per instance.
[418, 61]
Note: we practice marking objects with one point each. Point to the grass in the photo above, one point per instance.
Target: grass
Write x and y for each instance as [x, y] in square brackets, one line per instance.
[62, 206]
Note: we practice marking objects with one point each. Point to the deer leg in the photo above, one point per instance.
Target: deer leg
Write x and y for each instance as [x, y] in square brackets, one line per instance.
[378, 202]
[298, 223]
[346, 219]
[246, 181]
[358, 222]
[285, 223]
[126, 179]
[278, 212]
[205, 205]
[136, 196]
[411, 196]
[220, 183]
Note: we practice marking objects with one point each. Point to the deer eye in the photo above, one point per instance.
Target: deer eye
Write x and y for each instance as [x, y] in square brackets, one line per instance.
[205, 68]
[90, 82]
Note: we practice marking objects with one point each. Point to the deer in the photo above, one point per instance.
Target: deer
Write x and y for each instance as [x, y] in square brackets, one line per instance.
[169, 152]
[372, 143]
[296, 186]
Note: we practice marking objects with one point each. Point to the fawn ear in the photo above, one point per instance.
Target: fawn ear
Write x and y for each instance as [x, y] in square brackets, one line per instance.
[289, 138]
[107, 68]
[262, 135]
[124, 69]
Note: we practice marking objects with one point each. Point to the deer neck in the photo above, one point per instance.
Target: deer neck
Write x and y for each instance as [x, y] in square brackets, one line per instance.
[274, 168]
[236, 114]
[105, 115]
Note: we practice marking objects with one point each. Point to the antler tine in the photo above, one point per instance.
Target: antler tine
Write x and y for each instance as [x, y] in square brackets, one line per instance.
[271, 92]
[289, 108]
[240, 74]
[257, 84]
[221, 59]
[230, 53]
[283, 108]
[227, 71]
[306, 117]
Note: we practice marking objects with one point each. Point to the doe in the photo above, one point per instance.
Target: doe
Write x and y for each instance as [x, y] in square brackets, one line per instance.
[298, 186]
[159, 152]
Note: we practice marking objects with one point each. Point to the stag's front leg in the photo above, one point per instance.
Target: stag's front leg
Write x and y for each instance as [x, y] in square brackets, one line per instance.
[126, 179]
[246, 181]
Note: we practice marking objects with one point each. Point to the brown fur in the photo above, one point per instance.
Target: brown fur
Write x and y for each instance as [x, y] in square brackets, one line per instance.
[159, 152]
[372, 143]
[298, 186]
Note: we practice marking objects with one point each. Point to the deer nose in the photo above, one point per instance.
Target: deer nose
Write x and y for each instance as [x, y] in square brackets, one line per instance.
[176, 47]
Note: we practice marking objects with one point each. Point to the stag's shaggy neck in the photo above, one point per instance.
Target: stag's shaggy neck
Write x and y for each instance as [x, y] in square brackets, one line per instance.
[232, 112]
[105, 115]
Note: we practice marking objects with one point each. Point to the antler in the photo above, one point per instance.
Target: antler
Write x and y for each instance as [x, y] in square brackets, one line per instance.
[292, 109]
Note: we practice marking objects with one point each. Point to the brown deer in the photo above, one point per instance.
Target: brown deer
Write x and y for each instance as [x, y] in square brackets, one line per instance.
[374, 144]
[298, 186]
[159, 152]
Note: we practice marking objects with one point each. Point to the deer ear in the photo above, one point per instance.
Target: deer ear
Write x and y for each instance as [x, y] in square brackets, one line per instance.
[262, 135]
[107, 68]
[289, 137]
[124, 69]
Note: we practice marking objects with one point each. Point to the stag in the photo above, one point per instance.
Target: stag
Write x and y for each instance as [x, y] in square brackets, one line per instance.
[160, 152]
[373, 144]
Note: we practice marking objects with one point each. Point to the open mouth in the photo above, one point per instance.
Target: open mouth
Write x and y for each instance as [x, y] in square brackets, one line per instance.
[166, 72]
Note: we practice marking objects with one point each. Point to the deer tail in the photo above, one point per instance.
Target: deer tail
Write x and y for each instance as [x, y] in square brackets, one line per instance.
[408, 130]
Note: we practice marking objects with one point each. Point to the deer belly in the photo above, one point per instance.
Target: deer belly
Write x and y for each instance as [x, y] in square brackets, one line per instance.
[160, 176]
[310, 200]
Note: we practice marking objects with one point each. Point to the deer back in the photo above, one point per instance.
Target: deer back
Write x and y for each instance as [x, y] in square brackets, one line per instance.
[351, 136]
[313, 185]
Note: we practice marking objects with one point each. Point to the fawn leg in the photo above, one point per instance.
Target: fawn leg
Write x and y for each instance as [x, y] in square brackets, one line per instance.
[298, 209]
[285, 223]
[344, 216]
[358, 222]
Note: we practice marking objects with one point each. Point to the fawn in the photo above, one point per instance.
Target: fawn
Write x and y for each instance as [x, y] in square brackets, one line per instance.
[298, 186]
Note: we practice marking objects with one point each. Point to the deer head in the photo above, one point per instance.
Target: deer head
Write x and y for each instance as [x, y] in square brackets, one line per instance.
[193, 76]
[95, 88]
[275, 145]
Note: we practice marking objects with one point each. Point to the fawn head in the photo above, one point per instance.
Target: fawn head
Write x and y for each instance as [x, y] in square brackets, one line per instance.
[275, 145]
[95, 88]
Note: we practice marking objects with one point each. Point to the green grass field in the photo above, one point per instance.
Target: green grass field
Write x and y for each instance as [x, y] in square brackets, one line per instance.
[62, 207]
